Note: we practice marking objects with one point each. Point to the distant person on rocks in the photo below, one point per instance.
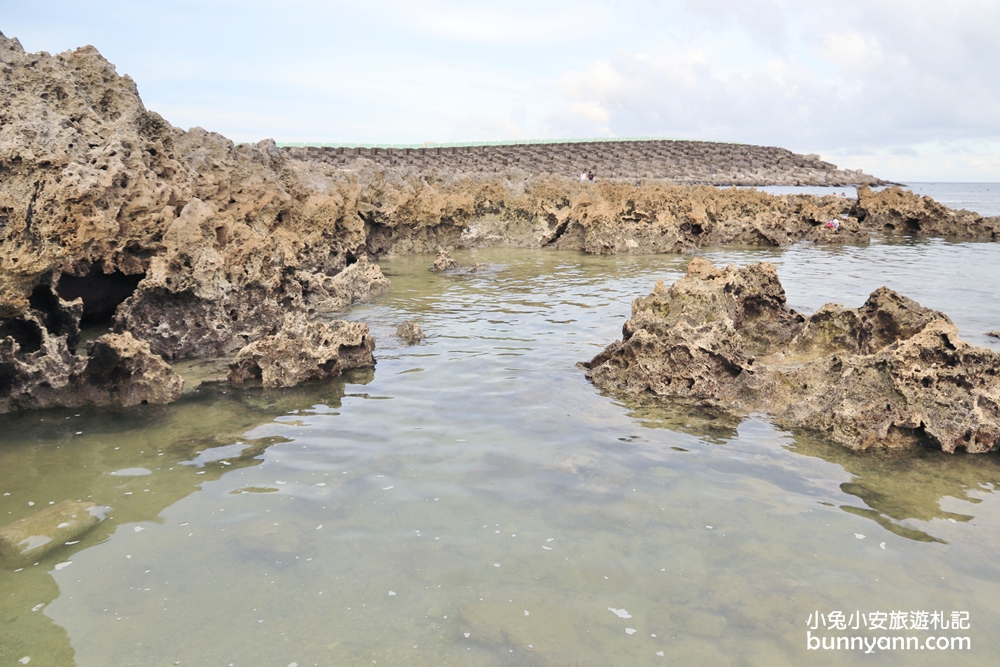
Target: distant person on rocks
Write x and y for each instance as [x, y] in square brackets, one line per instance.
[590, 176]
[583, 176]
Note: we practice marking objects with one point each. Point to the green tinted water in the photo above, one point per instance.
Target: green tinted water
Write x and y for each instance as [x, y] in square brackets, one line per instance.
[475, 501]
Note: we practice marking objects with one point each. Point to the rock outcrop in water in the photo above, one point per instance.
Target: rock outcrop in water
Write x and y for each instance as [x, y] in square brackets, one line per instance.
[40, 367]
[195, 246]
[444, 262]
[895, 209]
[409, 332]
[889, 374]
[303, 351]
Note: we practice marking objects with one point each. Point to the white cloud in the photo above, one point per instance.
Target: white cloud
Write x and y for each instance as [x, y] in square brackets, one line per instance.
[851, 52]
[504, 23]
[902, 78]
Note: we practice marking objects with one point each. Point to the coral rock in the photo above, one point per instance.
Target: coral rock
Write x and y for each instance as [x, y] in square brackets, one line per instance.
[444, 262]
[410, 332]
[898, 210]
[889, 374]
[39, 367]
[303, 351]
[123, 371]
[358, 282]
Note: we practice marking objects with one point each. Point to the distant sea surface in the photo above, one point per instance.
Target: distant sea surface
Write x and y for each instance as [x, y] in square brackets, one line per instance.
[983, 198]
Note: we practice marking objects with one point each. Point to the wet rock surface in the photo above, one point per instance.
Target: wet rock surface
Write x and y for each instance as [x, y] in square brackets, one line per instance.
[890, 374]
[47, 529]
[409, 332]
[123, 371]
[200, 247]
[444, 262]
[303, 351]
[40, 366]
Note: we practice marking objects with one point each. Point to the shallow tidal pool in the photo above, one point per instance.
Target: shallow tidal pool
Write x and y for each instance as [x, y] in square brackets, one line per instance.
[475, 501]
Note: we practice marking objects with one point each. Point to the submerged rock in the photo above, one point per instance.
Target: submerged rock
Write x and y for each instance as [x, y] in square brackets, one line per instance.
[47, 529]
[888, 374]
[444, 262]
[303, 351]
[410, 332]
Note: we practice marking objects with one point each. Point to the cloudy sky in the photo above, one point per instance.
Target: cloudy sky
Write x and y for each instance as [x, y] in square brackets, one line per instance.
[908, 90]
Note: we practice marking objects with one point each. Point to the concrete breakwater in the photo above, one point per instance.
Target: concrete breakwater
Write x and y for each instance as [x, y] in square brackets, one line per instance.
[680, 162]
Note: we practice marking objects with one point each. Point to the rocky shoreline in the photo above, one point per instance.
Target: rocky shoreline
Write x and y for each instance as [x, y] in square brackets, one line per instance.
[890, 374]
[186, 245]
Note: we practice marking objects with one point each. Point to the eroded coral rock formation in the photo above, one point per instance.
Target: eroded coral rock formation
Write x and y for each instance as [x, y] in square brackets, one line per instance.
[123, 371]
[303, 351]
[195, 246]
[409, 332]
[895, 209]
[444, 262]
[178, 239]
[889, 374]
[40, 366]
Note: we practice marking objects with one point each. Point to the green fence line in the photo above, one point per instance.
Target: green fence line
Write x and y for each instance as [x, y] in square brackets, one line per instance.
[514, 142]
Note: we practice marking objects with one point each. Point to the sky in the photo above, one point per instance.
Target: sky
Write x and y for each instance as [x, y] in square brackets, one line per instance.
[906, 90]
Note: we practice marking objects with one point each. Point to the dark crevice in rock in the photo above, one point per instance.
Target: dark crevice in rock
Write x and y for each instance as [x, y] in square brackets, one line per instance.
[30, 213]
[101, 292]
[8, 374]
[25, 333]
[57, 319]
[557, 234]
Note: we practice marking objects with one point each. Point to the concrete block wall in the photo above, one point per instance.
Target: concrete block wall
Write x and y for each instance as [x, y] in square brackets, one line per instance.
[683, 162]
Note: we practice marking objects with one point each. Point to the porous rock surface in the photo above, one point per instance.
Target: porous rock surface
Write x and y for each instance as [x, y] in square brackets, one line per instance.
[198, 247]
[895, 209]
[193, 245]
[39, 366]
[444, 262]
[409, 332]
[301, 351]
[890, 374]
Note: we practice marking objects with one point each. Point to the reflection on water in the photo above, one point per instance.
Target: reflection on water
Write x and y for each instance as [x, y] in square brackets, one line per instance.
[138, 462]
[475, 501]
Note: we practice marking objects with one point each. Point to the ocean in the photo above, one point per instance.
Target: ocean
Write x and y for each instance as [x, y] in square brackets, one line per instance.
[474, 500]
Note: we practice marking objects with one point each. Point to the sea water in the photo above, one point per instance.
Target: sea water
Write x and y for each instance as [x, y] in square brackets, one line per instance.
[473, 500]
